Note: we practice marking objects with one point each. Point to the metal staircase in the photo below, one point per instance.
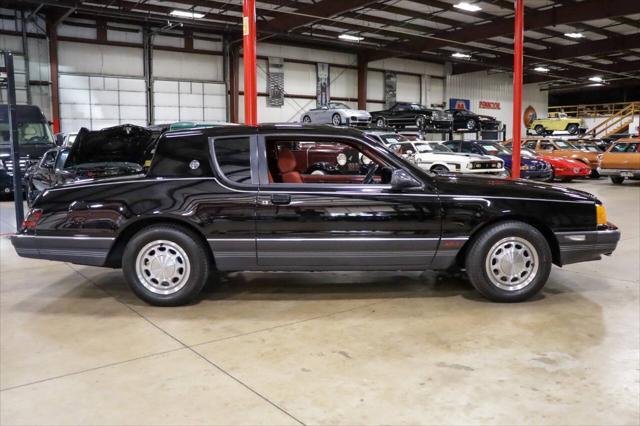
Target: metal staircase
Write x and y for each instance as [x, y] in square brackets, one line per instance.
[616, 123]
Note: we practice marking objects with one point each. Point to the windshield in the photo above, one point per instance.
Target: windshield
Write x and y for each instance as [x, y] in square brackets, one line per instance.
[29, 133]
[564, 145]
[494, 148]
[338, 105]
[589, 148]
[438, 147]
[524, 152]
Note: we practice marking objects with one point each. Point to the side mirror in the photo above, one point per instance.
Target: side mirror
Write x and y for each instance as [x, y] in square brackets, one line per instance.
[401, 180]
[59, 137]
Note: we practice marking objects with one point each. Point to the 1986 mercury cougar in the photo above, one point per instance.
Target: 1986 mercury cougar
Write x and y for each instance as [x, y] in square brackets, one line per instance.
[233, 199]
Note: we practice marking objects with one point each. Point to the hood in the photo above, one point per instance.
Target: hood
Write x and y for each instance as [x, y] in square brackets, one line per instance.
[450, 183]
[473, 156]
[563, 162]
[119, 144]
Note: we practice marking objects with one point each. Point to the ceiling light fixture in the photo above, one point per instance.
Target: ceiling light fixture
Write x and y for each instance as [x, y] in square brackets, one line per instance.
[350, 37]
[461, 55]
[541, 69]
[468, 7]
[596, 78]
[186, 14]
[574, 35]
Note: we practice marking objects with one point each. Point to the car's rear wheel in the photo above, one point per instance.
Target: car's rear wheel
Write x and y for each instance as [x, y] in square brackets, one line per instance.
[539, 129]
[380, 122]
[166, 265]
[471, 124]
[617, 179]
[572, 129]
[509, 262]
[336, 119]
[421, 122]
[306, 119]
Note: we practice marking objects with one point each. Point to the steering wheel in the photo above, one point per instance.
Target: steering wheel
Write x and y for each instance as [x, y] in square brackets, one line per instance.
[371, 171]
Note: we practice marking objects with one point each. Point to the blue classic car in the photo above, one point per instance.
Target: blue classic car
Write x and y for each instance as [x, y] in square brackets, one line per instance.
[530, 168]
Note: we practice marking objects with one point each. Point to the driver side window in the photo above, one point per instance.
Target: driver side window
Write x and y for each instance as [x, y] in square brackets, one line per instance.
[323, 161]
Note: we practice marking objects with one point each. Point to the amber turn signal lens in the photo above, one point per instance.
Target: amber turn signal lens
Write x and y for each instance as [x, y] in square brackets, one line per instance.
[601, 215]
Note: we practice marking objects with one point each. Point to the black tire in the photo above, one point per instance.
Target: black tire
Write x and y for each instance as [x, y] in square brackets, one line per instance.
[594, 174]
[617, 179]
[336, 120]
[440, 169]
[548, 132]
[539, 129]
[195, 272]
[552, 177]
[482, 247]
[421, 122]
[573, 129]
[380, 122]
[471, 124]
[566, 179]
[306, 119]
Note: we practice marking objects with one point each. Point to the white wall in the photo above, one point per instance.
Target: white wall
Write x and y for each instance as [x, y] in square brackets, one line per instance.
[497, 87]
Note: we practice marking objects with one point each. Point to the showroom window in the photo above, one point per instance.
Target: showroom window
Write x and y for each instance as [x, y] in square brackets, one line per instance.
[234, 160]
[324, 162]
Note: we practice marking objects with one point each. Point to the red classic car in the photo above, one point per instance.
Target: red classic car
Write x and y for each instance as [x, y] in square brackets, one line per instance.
[564, 169]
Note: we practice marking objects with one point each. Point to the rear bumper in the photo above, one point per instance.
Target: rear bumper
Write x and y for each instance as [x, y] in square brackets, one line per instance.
[81, 250]
[635, 173]
[585, 246]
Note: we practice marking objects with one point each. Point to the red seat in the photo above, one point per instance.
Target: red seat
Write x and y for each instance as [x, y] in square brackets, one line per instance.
[287, 167]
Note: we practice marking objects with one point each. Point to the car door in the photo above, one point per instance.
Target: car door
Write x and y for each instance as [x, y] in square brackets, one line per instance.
[341, 223]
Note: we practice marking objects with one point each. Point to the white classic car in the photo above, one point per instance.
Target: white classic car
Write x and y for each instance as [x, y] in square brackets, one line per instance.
[436, 157]
[336, 113]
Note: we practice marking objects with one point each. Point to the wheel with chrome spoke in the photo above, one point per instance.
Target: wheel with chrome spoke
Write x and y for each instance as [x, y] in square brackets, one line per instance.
[166, 265]
[509, 261]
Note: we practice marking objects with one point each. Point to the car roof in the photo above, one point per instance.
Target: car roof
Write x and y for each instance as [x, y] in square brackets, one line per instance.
[281, 128]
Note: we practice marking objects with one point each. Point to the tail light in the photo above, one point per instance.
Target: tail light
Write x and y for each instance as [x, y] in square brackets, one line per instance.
[32, 219]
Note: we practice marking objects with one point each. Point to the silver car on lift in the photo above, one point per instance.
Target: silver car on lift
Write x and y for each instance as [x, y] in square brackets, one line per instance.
[336, 113]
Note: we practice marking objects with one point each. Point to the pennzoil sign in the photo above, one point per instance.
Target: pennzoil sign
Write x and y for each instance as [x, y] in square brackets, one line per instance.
[489, 105]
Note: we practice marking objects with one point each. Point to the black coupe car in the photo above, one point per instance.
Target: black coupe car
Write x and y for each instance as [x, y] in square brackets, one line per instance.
[236, 199]
[465, 120]
[404, 114]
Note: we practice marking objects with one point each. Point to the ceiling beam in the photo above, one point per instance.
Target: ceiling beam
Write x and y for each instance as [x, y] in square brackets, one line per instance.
[314, 12]
[587, 10]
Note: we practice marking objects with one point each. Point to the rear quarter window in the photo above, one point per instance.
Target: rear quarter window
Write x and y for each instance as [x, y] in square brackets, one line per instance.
[181, 155]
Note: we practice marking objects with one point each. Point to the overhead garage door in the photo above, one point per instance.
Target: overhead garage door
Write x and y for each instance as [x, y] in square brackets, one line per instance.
[97, 102]
[188, 101]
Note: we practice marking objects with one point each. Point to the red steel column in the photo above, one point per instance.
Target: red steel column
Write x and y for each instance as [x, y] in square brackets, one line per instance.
[249, 60]
[518, 41]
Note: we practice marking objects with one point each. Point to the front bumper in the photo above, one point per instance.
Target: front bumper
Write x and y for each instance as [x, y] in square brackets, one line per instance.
[576, 172]
[359, 121]
[82, 250]
[632, 174]
[536, 174]
[588, 245]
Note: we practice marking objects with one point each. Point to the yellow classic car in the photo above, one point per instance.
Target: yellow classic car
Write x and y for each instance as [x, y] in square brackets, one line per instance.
[559, 122]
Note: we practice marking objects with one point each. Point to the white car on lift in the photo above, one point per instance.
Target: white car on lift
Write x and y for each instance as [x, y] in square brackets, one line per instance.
[436, 157]
[336, 113]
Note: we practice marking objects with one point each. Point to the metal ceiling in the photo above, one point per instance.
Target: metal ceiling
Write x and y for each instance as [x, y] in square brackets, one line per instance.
[420, 29]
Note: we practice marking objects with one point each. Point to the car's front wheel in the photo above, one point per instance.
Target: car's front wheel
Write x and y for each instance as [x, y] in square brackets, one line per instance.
[509, 262]
[573, 128]
[306, 119]
[166, 265]
[471, 124]
[421, 122]
[336, 119]
[617, 179]
[380, 122]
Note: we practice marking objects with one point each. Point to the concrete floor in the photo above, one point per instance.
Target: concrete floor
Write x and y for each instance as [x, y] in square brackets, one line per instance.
[330, 348]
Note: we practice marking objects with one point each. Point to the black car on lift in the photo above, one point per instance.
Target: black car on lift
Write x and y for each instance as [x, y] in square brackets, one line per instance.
[34, 139]
[234, 199]
[467, 121]
[403, 114]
